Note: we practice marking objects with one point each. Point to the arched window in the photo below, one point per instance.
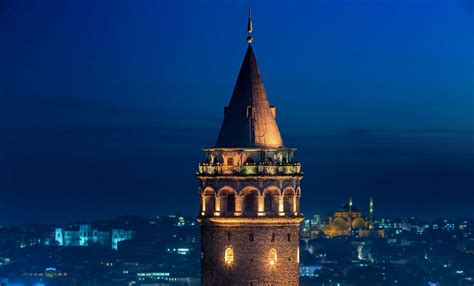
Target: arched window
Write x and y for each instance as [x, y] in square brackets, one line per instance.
[249, 113]
[231, 203]
[250, 200]
[229, 255]
[288, 201]
[230, 161]
[268, 203]
[209, 203]
[227, 201]
[271, 201]
[272, 256]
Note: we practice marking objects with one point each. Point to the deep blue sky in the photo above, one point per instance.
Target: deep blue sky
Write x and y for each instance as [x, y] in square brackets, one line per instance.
[105, 105]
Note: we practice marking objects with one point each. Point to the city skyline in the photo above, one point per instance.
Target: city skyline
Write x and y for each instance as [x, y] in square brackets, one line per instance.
[105, 113]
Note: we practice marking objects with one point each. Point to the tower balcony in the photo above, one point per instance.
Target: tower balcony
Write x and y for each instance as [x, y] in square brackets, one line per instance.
[268, 169]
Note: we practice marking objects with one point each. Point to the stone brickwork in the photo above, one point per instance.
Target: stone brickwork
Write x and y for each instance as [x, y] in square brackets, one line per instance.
[250, 265]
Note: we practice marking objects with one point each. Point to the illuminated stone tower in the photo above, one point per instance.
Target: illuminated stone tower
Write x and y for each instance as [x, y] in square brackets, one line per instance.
[250, 192]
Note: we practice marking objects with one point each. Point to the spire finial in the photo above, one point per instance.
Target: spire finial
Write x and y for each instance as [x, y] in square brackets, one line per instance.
[249, 26]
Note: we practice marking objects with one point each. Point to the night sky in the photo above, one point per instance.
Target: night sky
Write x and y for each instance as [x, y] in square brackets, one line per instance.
[105, 105]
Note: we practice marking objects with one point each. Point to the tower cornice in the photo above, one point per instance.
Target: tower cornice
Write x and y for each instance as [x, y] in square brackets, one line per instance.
[247, 177]
[218, 149]
[251, 220]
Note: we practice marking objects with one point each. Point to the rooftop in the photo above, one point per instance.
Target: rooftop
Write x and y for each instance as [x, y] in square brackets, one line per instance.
[249, 120]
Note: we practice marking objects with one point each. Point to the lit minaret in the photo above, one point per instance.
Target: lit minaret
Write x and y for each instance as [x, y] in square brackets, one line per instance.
[371, 213]
[350, 213]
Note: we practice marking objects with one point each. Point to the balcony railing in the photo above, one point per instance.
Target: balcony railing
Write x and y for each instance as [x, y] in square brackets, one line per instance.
[250, 170]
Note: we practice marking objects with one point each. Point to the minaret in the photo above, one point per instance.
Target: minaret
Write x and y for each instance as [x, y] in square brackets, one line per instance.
[350, 204]
[371, 213]
[249, 187]
[350, 214]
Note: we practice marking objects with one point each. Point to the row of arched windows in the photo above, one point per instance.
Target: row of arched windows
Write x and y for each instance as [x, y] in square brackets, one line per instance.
[251, 203]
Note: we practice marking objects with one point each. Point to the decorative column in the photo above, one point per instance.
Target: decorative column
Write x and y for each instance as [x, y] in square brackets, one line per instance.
[217, 209]
[281, 210]
[261, 205]
[238, 205]
[294, 209]
[297, 204]
[203, 204]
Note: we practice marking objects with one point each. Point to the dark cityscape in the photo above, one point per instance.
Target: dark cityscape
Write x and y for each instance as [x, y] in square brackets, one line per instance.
[140, 146]
[165, 251]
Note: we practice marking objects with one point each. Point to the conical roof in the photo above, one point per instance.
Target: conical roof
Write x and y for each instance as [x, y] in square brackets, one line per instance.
[249, 120]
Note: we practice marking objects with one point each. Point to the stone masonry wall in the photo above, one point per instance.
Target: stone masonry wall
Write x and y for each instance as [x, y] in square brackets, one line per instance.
[250, 266]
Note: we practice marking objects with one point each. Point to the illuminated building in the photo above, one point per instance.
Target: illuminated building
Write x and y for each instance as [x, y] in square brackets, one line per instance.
[249, 193]
[311, 228]
[309, 270]
[119, 235]
[348, 219]
[86, 235]
[164, 277]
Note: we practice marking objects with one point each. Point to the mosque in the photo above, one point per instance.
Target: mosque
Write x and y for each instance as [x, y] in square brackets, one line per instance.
[348, 219]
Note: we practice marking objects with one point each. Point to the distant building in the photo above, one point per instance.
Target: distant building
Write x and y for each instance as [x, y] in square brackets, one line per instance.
[309, 270]
[311, 228]
[119, 235]
[86, 235]
[166, 277]
[348, 219]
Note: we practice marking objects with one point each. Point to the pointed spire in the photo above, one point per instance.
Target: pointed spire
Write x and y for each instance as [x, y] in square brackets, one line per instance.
[249, 26]
[249, 120]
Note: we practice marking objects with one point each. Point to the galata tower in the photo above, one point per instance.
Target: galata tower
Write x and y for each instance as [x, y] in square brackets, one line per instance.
[249, 188]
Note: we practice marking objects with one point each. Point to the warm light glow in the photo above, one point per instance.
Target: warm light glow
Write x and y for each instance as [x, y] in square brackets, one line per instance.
[298, 254]
[261, 206]
[272, 257]
[229, 256]
[253, 220]
[280, 206]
